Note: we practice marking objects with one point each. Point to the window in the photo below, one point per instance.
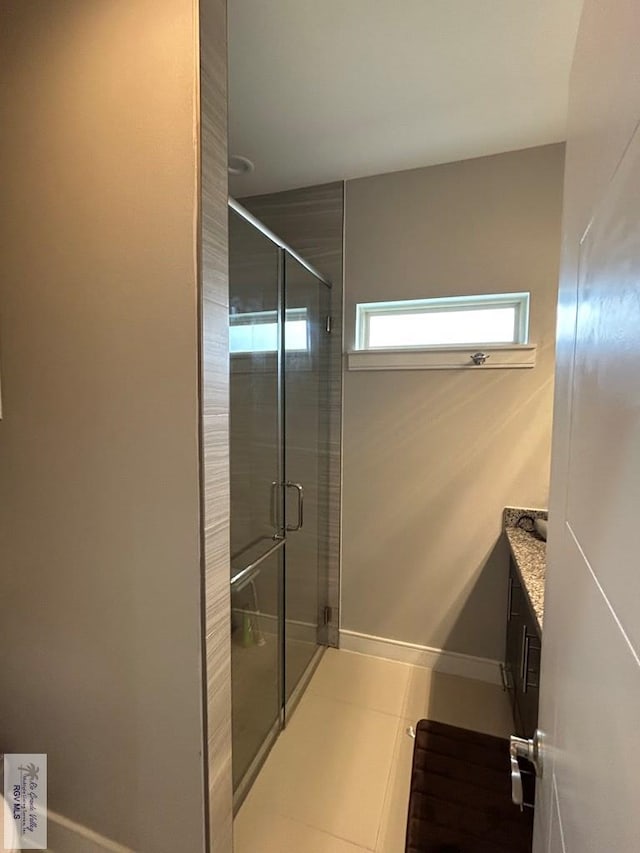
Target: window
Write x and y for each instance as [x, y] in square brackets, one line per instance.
[458, 321]
[257, 331]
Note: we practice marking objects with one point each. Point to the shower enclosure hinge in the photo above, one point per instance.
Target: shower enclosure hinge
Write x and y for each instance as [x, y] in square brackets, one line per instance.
[327, 613]
[329, 323]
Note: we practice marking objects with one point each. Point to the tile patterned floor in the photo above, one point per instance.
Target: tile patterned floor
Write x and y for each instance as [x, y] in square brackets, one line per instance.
[337, 780]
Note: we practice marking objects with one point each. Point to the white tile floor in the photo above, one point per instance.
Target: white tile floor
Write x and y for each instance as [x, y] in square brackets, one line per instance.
[337, 780]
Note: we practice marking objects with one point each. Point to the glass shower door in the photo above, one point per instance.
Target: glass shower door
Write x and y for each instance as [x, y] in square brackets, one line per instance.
[279, 369]
[255, 450]
[306, 372]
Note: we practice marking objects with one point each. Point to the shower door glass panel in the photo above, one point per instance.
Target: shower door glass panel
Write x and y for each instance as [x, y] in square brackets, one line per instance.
[256, 663]
[255, 451]
[255, 440]
[306, 465]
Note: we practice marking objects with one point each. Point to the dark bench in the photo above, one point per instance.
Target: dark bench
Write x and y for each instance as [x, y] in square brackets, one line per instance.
[460, 798]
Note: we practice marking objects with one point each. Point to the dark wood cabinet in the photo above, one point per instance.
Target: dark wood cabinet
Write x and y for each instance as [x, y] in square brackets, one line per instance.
[521, 668]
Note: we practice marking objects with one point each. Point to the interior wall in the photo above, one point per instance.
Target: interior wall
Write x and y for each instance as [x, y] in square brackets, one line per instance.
[99, 492]
[432, 457]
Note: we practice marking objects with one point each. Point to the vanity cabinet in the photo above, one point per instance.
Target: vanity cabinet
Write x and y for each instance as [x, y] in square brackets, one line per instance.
[521, 668]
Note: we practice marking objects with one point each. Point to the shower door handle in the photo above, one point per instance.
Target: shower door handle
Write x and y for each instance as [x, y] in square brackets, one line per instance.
[300, 492]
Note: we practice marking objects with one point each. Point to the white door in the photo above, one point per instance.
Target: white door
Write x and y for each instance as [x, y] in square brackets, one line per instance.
[588, 798]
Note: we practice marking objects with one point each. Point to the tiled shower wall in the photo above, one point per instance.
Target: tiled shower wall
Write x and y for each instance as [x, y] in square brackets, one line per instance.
[311, 221]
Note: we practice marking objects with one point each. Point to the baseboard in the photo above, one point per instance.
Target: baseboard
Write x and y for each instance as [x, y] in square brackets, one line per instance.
[452, 663]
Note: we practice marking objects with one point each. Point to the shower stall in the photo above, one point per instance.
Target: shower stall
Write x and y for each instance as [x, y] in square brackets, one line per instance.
[279, 324]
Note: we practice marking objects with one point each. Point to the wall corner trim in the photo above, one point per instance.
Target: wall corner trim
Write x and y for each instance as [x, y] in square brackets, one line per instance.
[451, 663]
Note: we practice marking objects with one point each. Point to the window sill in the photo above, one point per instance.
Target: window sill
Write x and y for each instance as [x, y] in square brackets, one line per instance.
[520, 356]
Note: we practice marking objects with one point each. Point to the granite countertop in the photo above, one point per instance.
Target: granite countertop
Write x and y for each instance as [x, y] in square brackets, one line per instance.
[529, 553]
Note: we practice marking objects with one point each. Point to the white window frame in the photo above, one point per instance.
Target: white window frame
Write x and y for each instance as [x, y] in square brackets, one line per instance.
[517, 354]
[520, 301]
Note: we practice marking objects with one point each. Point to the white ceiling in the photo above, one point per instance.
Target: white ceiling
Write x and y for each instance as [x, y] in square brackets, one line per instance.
[328, 89]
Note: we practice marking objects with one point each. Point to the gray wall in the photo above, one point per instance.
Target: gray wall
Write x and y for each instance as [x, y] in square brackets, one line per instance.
[99, 514]
[432, 457]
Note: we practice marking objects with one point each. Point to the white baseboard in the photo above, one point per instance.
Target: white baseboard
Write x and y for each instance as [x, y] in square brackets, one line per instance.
[452, 663]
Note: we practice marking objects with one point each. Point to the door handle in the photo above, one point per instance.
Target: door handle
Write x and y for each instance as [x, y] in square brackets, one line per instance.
[300, 492]
[505, 676]
[530, 749]
[510, 611]
[277, 506]
[524, 654]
